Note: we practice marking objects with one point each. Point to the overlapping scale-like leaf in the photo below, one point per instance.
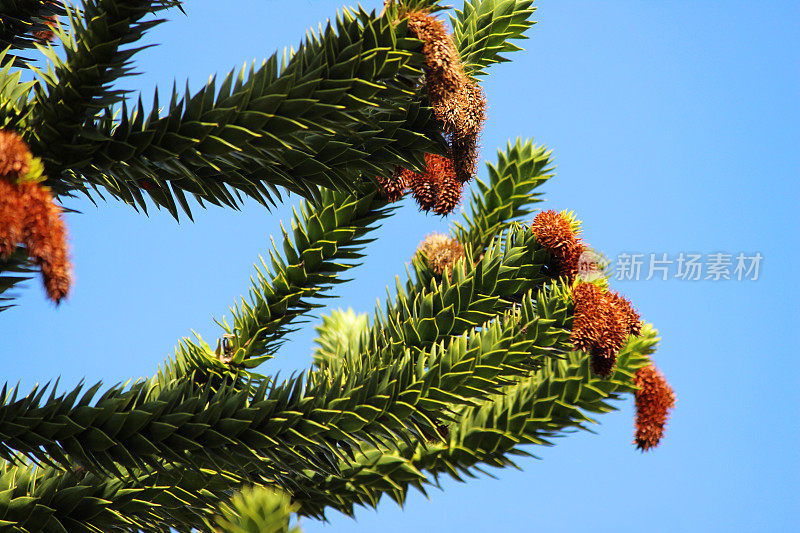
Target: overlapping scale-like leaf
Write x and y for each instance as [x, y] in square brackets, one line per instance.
[484, 29]
[519, 171]
[98, 50]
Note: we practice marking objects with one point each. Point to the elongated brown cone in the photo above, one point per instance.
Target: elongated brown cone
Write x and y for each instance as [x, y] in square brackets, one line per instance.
[45, 236]
[437, 189]
[462, 111]
[11, 218]
[465, 156]
[443, 71]
[15, 156]
[29, 217]
[449, 195]
[654, 401]
[555, 233]
[457, 101]
[599, 327]
[395, 187]
[628, 315]
[440, 252]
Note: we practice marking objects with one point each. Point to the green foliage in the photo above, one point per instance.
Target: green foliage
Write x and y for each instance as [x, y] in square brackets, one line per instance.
[258, 510]
[21, 20]
[452, 374]
[484, 29]
[339, 107]
[522, 168]
[13, 270]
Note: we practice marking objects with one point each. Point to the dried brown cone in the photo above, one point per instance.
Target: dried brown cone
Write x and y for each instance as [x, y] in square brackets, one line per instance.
[394, 188]
[463, 111]
[45, 237]
[440, 252]
[443, 70]
[15, 156]
[555, 233]
[599, 327]
[457, 101]
[424, 191]
[438, 177]
[654, 401]
[628, 315]
[449, 196]
[465, 157]
[11, 218]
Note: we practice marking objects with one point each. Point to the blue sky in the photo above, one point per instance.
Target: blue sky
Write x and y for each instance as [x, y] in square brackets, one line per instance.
[674, 128]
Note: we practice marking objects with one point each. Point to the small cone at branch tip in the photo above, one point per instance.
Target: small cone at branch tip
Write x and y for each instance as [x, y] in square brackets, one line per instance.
[655, 398]
[603, 320]
[440, 252]
[556, 233]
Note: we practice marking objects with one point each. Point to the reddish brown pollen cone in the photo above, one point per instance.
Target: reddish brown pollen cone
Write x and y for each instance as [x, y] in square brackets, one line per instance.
[29, 217]
[654, 401]
[45, 236]
[555, 233]
[457, 101]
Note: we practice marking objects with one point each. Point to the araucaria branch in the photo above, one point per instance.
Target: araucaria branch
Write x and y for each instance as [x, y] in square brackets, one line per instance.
[494, 343]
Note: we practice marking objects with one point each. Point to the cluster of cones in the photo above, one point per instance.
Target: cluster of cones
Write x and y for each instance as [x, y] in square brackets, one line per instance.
[28, 216]
[603, 321]
[437, 189]
[460, 107]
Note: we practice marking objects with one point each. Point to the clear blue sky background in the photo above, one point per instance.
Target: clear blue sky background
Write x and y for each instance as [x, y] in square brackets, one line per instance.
[674, 127]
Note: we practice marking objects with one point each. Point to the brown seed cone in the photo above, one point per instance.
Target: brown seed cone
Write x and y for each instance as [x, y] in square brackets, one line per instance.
[11, 218]
[555, 233]
[45, 237]
[654, 401]
[15, 156]
[603, 365]
[440, 252]
[424, 190]
[590, 314]
[427, 188]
